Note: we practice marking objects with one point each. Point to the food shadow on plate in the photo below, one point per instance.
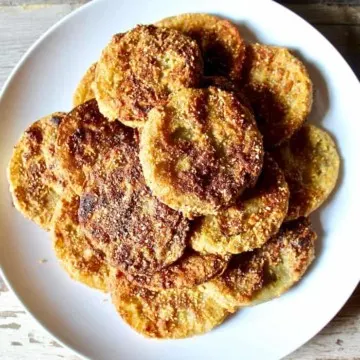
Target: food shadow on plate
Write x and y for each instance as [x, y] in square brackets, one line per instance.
[246, 32]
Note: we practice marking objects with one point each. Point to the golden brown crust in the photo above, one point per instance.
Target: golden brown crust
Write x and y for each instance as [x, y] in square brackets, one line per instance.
[139, 234]
[311, 165]
[190, 270]
[83, 136]
[84, 91]
[200, 150]
[239, 283]
[77, 256]
[173, 313]
[257, 216]
[34, 183]
[286, 256]
[139, 70]
[268, 272]
[222, 46]
[279, 89]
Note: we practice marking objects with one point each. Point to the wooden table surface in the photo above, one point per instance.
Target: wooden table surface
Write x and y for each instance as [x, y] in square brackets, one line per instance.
[21, 23]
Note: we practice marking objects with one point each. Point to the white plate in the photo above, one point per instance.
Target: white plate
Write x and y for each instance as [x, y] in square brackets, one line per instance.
[43, 82]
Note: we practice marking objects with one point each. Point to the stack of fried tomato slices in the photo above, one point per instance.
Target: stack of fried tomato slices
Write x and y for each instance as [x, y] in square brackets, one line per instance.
[182, 180]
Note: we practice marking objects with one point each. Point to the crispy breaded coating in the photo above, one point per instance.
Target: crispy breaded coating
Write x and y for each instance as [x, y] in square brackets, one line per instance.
[167, 314]
[200, 150]
[74, 251]
[182, 180]
[268, 272]
[287, 256]
[83, 136]
[311, 165]
[221, 44]
[248, 225]
[239, 283]
[84, 91]
[279, 89]
[34, 182]
[190, 270]
[139, 70]
[138, 233]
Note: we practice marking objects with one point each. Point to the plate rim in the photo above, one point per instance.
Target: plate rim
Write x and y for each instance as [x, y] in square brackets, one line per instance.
[7, 84]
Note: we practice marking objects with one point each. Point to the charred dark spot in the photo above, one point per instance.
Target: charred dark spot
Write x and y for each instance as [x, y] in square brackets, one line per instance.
[56, 120]
[79, 134]
[87, 205]
[35, 134]
[76, 141]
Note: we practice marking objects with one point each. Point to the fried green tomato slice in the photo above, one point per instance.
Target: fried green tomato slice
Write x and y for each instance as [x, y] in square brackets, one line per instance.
[83, 136]
[268, 272]
[221, 44]
[287, 257]
[34, 183]
[138, 70]
[279, 89]
[252, 221]
[166, 314]
[190, 270]
[76, 254]
[138, 233]
[311, 164]
[84, 91]
[200, 151]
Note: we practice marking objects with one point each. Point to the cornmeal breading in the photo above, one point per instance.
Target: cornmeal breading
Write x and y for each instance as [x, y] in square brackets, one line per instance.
[139, 70]
[173, 313]
[32, 172]
[279, 89]
[190, 270]
[311, 164]
[268, 272]
[74, 251]
[200, 151]
[82, 137]
[139, 234]
[257, 216]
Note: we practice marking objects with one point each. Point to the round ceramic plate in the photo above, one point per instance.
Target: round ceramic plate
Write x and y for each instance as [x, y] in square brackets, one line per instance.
[77, 316]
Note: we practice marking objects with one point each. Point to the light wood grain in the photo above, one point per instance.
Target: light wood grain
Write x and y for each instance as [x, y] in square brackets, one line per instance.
[21, 338]
[20, 27]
